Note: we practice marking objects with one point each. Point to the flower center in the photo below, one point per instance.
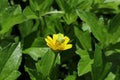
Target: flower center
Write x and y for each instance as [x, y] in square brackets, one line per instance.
[58, 43]
[60, 38]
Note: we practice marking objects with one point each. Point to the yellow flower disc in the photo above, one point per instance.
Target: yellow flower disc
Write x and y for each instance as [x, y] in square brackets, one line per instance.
[58, 42]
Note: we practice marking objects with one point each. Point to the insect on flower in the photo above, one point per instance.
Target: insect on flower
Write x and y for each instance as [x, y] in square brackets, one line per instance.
[58, 42]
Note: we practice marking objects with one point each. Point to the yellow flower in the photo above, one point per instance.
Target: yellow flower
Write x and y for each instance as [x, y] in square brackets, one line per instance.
[58, 42]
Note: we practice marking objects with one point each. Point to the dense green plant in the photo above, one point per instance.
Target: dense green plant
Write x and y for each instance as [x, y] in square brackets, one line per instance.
[93, 28]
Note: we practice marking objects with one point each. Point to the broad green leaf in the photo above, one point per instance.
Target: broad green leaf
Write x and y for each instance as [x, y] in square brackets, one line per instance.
[100, 67]
[12, 10]
[34, 75]
[97, 66]
[55, 68]
[14, 75]
[84, 65]
[112, 48]
[80, 4]
[84, 38]
[40, 6]
[70, 15]
[27, 28]
[10, 59]
[114, 24]
[36, 52]
[105, 70]
[114, 29]
[106, 6]
[97, 29]
[46, 63]
[110, 76]
[113, 6]
[69, 5]
[63, 5]
[53, 24]
[29, 13]
[70, 77]
[9, 20]
[86, 27]
[39, 42]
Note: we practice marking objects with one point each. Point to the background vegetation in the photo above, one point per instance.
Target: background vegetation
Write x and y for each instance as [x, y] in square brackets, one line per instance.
[92, 25]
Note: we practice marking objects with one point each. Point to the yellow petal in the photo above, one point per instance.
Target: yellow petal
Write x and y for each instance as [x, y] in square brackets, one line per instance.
[66, 40]
[61, 47]
[51, 46]
[49, 42]
[68, 46]
[55, 37]
[48, 39]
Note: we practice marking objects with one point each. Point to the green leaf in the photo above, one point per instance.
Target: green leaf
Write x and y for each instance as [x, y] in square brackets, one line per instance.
[36, 52]
[9, 20]
[84, 65]
[97, 66]
[40, 6]
[114, 29]
[34, 75]
[105, 70]
[53, 24]
[97, 29]
[106, 6]
[70, 15]
[70, 77]
[114, 22]
[10, 59]
[80, 4]
[27, 28]
[100, 67]
[55, 68]
[14, 75]
[84, 38]
[110, 76]
[39, 42]
[45, 65]
[29, 13]
[69, 5]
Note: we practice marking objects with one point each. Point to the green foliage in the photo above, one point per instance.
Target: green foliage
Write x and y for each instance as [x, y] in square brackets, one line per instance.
[97, 29]
[84, 65]
[70, 77]
[99, 67]
[84, 38]
[10, 59]
[92, 26]
[9, 20]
